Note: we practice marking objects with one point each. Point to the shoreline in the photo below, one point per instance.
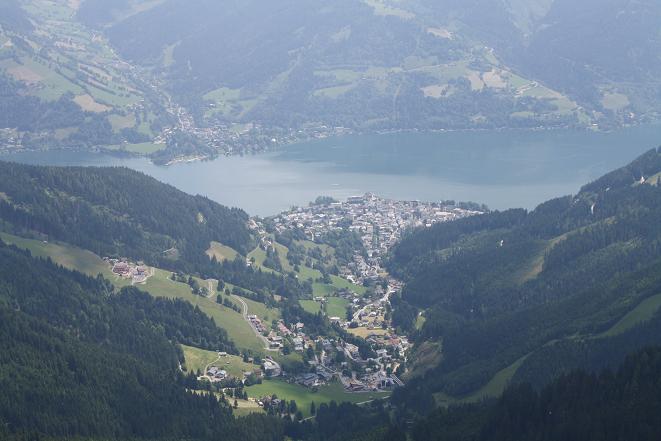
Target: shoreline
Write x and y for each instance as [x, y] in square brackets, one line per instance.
[203, 157]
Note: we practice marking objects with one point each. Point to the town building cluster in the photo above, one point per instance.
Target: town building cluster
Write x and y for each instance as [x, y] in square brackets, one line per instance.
[379, 222]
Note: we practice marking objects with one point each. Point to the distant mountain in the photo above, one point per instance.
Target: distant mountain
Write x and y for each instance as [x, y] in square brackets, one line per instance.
[62, 85]
[378, 64]
[101, 74]
[526, 296]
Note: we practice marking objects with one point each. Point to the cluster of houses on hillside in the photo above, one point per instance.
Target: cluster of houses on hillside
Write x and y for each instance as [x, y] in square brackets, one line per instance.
[136, 272]
[256, 322]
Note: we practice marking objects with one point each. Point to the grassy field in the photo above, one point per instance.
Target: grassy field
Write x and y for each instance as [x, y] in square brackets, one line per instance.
[87, 103]
[144, 148]
[310, 306]
[304, 396]
[159, 285]
[119, 122]
[260, 310]
[494, 388]
[364, 332]
[259, 255]
[333, 92]
[340, 283]
[221, 252]
[238, 329]
[654, 180]
[322, 290]
[246, 407]
[66, 255]
[615, 101]
[305, 272]
[199, 359]
[497, 385]
[640, 314]
[337, 307]
[53, 85]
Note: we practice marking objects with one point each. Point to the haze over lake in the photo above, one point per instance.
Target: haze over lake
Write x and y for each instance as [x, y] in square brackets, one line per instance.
[503, 169]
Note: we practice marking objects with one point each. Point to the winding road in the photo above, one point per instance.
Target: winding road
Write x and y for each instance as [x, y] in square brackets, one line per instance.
[244, 313]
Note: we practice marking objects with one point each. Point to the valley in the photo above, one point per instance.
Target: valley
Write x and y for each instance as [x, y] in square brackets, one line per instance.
[348, 288]
[368, 301]
[330, 220]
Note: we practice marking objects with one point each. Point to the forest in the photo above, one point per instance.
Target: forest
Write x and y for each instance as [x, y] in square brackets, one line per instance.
[610, 406]
[80, 359]
[543, 288]
[117, 212]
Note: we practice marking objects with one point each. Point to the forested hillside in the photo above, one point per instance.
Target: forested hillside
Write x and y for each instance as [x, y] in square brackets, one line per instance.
[117, 211]
[612, 406]
[378, 64]
[102, 74]
[81, 360]
[526, 296]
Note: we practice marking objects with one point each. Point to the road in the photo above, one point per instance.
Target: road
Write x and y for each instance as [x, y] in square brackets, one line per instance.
[206, 369]
[244, 313]
[383, 299]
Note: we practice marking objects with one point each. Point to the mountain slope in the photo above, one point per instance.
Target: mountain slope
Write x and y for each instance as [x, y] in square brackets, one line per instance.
[117, 211]
[366, 65]
[535, 294]
[62, 85]
[80, 360]
[612, 406]
[378, 64]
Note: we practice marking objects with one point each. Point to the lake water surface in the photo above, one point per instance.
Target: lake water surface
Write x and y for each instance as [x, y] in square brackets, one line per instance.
[503, 169]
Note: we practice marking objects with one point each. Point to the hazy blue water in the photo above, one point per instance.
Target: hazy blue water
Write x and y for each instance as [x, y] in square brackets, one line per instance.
[502, 169]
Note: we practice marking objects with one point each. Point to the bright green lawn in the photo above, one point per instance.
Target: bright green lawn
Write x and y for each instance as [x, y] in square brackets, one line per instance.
[336, 307]
[199, 359]
[304, 396]
[260, 310]
[66, 255]
[238, 329]
[310, 306]
[641, 313]
[221, 252]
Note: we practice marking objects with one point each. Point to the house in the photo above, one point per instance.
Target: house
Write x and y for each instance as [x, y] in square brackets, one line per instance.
[356, 387]
[121, 268]
[382, 353]
[271, 369]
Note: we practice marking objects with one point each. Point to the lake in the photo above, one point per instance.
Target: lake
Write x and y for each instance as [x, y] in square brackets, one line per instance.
[503, 169]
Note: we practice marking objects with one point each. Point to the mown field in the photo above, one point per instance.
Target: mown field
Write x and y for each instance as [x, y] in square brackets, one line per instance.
[199, 359]
[304, 397]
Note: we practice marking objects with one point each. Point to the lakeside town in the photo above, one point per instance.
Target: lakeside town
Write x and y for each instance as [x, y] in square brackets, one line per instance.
[380, 223]
[371, 353]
